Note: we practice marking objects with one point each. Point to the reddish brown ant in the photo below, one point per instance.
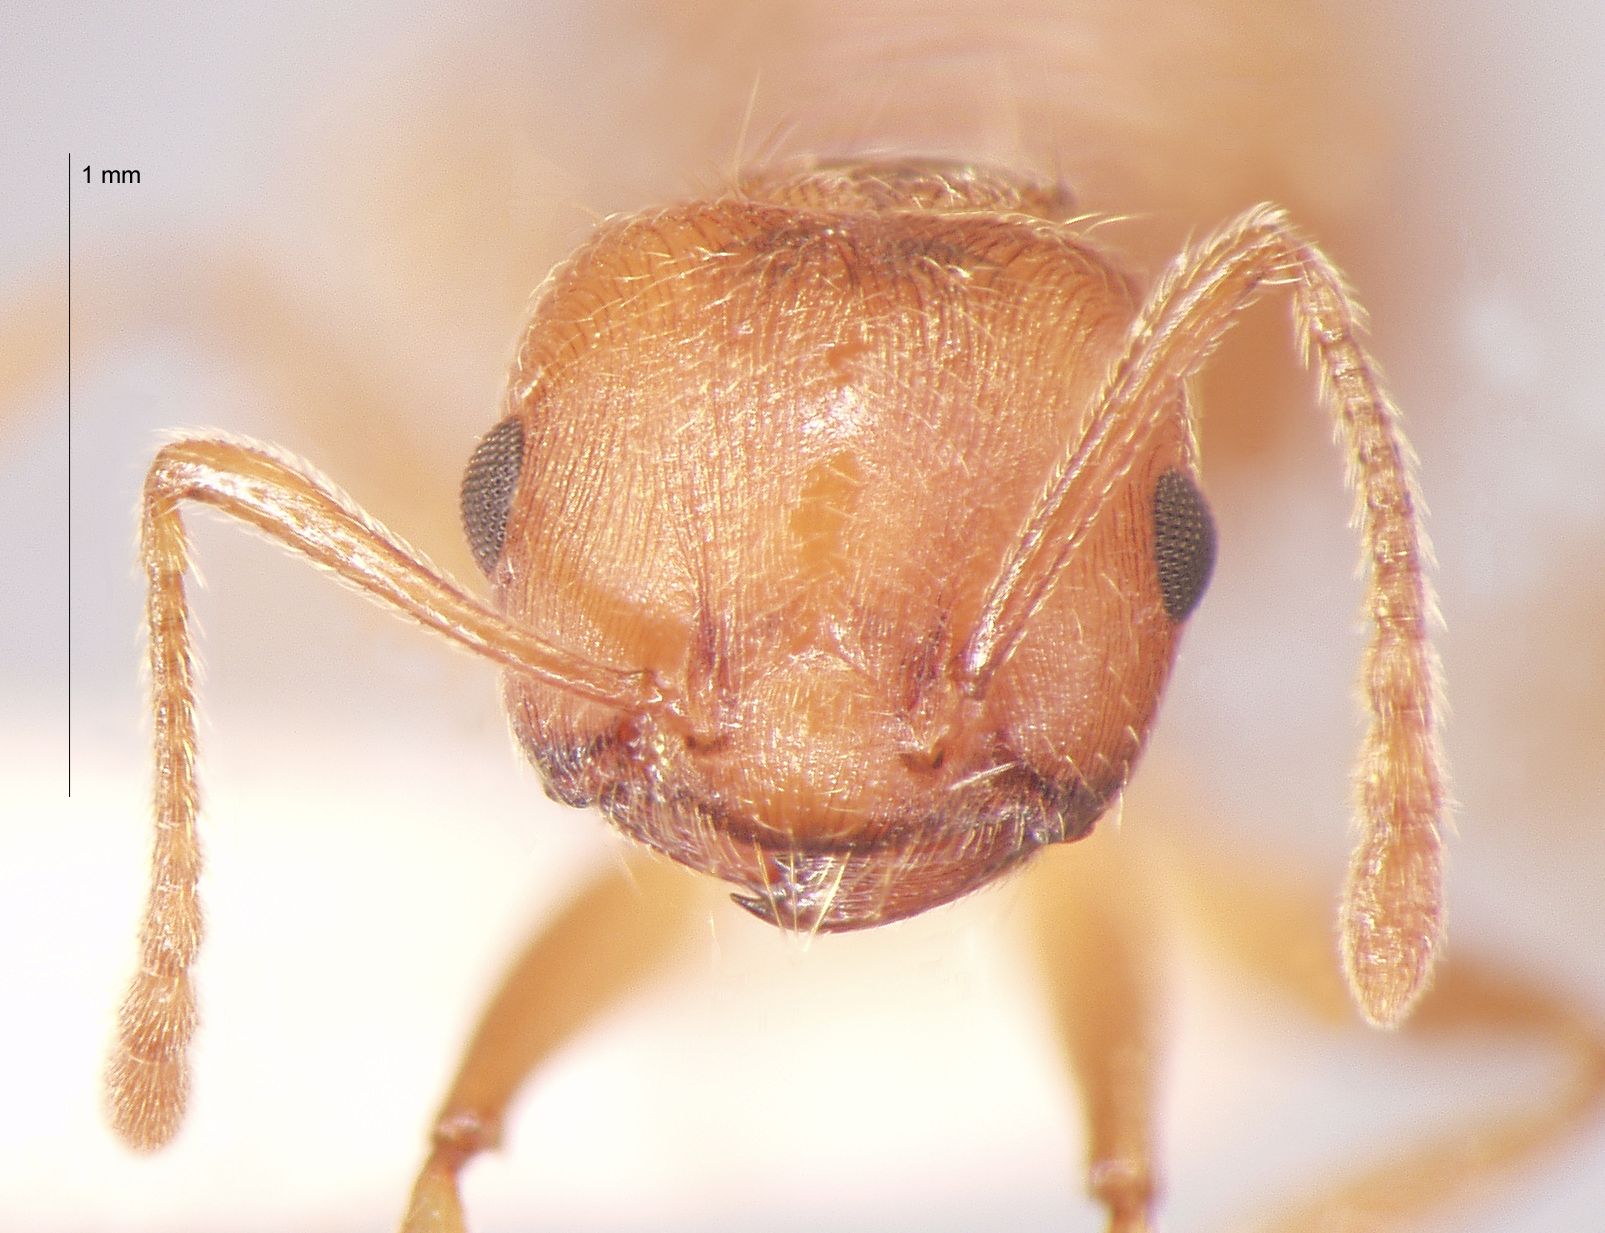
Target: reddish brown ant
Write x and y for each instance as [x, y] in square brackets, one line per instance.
[841, 530]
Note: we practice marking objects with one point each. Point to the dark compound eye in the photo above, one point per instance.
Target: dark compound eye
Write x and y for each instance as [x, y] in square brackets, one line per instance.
[488, 487]
[1184, 543]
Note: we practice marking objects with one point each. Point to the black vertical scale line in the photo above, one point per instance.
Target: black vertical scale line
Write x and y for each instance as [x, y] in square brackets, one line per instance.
[69, 474]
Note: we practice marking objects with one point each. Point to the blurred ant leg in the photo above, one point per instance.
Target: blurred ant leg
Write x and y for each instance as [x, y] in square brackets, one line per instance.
[604, 946]
[30, 347]
[226, 297]
[1095, 925]
[328, 383]
[1286, 940]
[1392, 907]
[147, 1081]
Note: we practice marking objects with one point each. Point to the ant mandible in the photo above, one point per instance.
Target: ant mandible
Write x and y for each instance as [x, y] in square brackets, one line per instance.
[841, 530]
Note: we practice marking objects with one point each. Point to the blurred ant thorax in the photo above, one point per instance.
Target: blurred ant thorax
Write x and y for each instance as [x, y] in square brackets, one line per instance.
[338, 227]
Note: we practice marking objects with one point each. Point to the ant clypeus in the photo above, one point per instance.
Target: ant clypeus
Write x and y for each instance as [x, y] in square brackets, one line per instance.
[841, 530]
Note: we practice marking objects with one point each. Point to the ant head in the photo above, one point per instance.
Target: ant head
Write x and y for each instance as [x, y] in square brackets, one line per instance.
[780, 458]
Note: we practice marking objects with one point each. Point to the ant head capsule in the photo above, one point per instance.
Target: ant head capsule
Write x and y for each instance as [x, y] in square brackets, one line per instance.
[776, 450]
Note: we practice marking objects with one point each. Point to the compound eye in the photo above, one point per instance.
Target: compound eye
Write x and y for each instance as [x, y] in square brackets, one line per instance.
[488, 487]
[1184, 543]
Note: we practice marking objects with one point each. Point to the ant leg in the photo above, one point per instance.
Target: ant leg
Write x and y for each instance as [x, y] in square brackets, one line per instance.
[230, 299]
[1094, 926]
[147, 1080]
[1284, 939]
[29, 350]
[617, 934]
[1392, 909]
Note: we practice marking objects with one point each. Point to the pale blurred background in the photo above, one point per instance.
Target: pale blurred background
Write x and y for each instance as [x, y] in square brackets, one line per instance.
[340, 216]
